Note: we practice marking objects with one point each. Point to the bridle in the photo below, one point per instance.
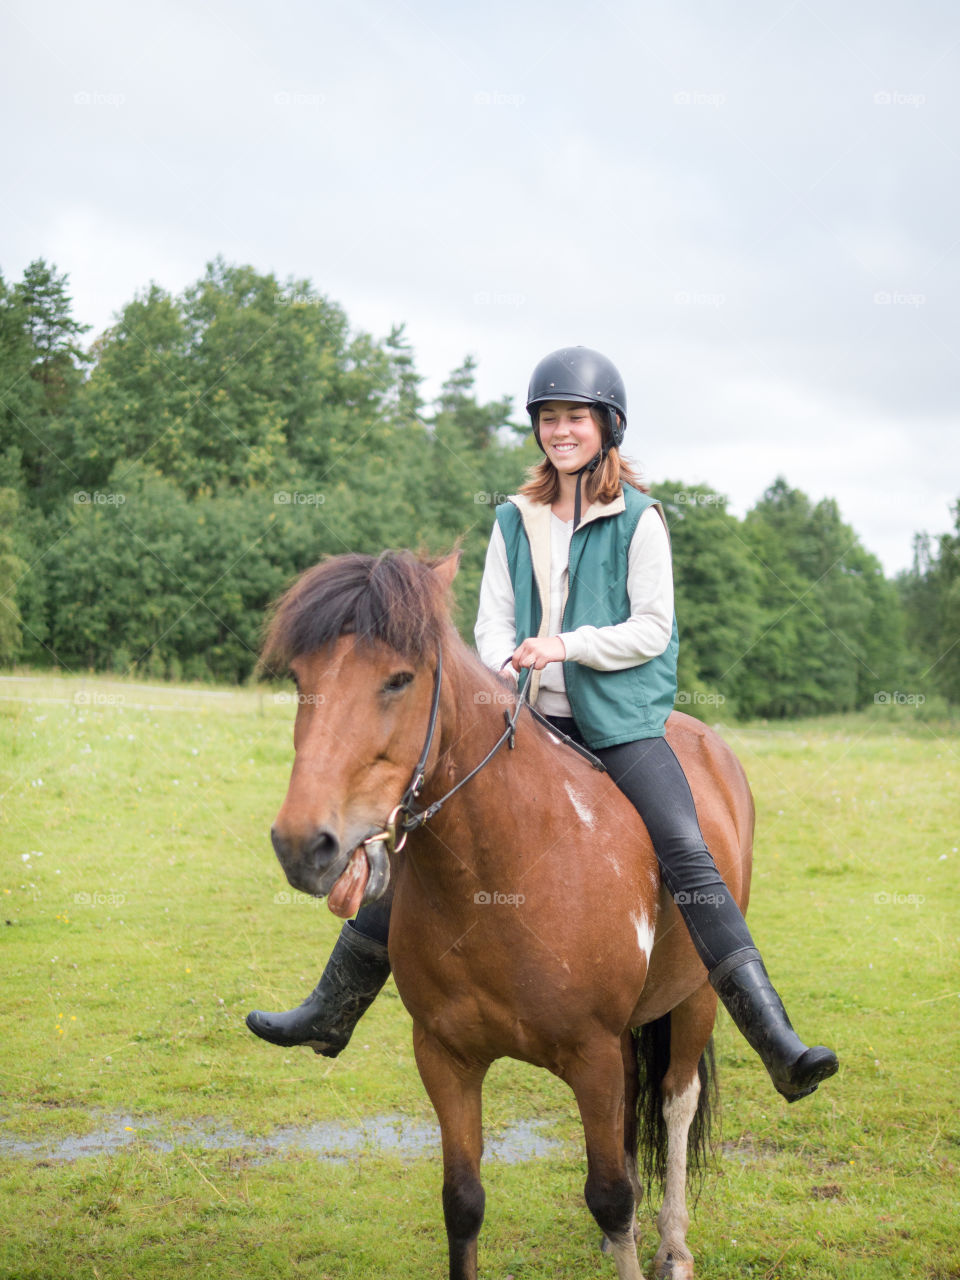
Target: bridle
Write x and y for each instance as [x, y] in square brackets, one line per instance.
[405, 817]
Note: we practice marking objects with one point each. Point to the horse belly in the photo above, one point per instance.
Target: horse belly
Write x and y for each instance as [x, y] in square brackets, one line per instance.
[515, 981]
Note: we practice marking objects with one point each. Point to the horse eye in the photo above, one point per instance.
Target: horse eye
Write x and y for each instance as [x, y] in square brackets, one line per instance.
[399, 680]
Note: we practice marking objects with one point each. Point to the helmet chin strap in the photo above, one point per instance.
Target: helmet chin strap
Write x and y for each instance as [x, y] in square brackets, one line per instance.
[591, 466]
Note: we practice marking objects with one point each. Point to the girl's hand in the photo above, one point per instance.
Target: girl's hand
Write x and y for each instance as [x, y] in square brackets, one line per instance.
[537, 652]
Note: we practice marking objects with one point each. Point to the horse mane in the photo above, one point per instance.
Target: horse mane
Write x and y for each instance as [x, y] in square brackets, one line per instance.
[395, 598]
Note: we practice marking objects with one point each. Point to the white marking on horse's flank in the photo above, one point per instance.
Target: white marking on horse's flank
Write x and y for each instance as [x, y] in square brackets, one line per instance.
[583, 813]
[645, 934]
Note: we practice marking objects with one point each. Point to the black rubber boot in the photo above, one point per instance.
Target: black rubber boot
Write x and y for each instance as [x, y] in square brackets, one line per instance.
[748, 995]
[357, 969]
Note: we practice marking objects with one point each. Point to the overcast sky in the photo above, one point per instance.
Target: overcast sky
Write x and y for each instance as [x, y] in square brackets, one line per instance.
[750, 207]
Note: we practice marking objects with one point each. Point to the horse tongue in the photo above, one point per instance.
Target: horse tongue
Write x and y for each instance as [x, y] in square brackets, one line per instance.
[346, 895]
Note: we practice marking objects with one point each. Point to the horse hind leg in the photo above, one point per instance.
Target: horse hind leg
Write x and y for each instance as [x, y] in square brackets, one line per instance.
[691, 1024]
[673, 1260]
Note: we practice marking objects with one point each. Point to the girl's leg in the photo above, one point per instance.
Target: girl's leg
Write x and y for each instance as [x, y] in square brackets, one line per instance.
[650, 775]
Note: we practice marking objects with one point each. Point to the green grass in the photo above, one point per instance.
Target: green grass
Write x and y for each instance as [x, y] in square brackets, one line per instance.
[150, 914]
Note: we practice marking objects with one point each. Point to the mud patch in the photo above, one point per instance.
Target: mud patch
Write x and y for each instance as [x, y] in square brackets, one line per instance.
[392, 1135]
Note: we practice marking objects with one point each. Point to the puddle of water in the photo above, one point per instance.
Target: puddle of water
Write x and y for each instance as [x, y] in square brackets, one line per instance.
[392, 1135]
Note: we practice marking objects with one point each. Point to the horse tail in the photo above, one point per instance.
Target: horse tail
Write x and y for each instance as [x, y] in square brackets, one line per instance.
[652, 1045]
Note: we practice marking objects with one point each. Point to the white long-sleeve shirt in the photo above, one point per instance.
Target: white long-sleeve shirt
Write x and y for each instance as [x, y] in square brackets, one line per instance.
[642, 636]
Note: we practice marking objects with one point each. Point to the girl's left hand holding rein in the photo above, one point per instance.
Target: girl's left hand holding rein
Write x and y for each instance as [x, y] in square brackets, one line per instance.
[537, 651]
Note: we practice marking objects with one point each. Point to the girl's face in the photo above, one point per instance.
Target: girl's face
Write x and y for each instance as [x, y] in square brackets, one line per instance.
[569, 435]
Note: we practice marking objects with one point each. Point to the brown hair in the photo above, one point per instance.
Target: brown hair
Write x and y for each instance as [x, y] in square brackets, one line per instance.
[602, 485]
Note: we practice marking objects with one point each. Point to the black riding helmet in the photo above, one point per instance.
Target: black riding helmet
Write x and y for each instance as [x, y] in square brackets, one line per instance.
[585, 376]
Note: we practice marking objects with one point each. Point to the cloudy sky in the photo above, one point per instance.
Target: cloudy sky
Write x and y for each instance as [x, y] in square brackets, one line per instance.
[751, 207]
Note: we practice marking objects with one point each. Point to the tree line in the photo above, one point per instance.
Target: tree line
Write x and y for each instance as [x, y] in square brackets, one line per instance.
[160, 486]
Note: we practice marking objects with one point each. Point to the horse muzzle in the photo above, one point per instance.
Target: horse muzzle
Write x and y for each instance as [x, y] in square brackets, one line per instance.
[312, 865]
[349, 879]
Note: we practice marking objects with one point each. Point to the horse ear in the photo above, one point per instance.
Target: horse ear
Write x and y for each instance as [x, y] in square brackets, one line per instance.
[446, 569]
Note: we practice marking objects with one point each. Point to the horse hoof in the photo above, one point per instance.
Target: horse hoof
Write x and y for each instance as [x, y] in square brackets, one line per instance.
[674, 1269]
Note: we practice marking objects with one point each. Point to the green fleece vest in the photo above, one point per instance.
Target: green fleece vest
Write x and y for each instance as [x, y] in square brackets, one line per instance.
[609, 707]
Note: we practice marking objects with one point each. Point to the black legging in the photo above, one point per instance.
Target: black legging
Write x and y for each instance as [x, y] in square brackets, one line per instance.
[652, 778]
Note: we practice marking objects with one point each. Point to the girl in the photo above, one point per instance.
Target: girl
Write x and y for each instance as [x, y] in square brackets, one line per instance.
[582, 592]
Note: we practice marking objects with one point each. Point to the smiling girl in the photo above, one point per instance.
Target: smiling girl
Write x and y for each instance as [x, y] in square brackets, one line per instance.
[582, 593]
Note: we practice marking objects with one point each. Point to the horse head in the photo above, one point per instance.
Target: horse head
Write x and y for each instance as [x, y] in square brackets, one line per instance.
[360, 636]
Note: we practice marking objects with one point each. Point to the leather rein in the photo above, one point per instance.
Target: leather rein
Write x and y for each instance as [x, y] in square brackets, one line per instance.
[406, 817]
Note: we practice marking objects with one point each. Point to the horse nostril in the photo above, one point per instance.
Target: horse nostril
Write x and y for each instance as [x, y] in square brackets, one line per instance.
[321, 850]
[314, 852]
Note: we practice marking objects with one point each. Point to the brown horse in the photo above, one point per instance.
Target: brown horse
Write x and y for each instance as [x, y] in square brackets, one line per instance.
[528, 917]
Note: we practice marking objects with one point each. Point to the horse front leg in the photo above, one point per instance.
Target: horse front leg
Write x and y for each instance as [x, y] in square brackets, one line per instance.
[455, 1090]
[597, 1080]
[691, 1024]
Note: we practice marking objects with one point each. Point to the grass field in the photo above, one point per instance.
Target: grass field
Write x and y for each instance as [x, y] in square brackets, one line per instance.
[144, 913]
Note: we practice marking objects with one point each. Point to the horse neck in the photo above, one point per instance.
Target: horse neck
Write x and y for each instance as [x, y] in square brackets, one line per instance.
[473, 702]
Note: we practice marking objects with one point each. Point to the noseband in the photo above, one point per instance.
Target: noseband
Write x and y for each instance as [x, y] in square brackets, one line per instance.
[406, 817]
